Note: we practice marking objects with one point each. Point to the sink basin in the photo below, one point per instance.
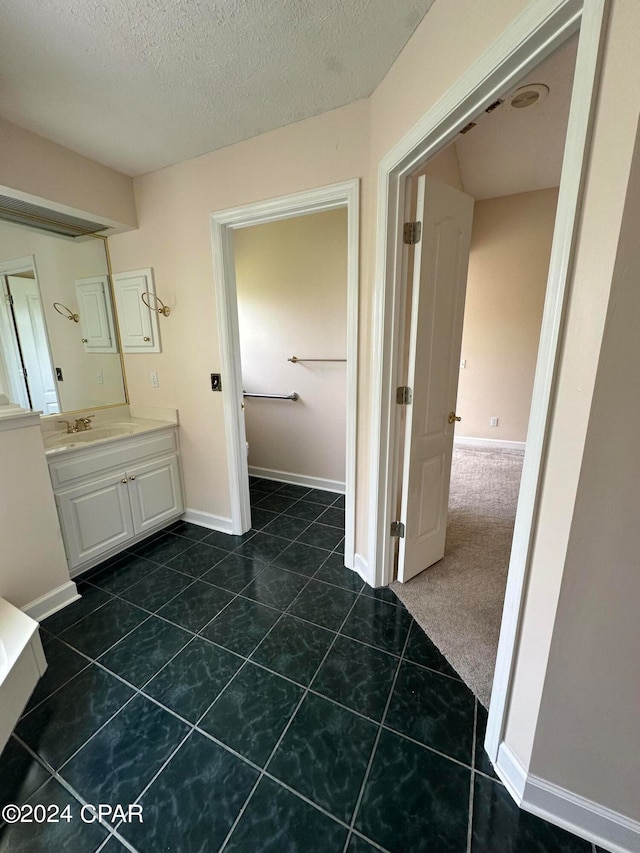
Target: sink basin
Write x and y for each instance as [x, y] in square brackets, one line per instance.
[87, 436]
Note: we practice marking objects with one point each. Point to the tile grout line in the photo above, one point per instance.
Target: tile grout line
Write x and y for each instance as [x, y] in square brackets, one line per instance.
[88, 658]
[255, 601]
[55, 774]
[472, 776]
[282, 736]
[246, 659]
[159, 771]
[192, 727]
[91, 579]
[308, 689]
[377, 740]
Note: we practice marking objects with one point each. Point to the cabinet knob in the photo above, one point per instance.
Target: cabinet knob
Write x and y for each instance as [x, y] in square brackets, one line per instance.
[124, 480]
[132, 477]
[146, 338]
[84, 340]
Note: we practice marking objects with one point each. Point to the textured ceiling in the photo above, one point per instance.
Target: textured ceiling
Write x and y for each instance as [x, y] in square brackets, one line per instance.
[140, 84]
[514, 151]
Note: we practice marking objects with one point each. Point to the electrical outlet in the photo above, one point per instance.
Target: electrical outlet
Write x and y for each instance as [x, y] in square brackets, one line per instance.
[493, 422]
[463, 364]
[216, 382]
[154, 379]
[100, 377]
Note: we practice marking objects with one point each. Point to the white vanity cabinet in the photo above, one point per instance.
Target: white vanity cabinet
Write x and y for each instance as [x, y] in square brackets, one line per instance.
[110, 495]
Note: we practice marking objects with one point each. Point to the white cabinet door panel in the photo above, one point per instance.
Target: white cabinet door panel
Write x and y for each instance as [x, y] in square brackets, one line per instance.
[138, 324]
[95, 518]
[96, 315]
[155, 492]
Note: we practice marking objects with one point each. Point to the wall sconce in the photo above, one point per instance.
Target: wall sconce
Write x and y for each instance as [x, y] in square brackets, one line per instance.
[66, 312]
[163, 309]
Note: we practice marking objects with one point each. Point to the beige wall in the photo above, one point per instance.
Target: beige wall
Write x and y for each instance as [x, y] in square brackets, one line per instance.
[38, 167]
[445, 167]
[59, 262]
[174, 238]
[592, 683]
[32, 561]
[291, 280]
[508, 266]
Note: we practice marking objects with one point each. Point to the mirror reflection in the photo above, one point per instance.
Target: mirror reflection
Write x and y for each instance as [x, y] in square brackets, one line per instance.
[63, 358]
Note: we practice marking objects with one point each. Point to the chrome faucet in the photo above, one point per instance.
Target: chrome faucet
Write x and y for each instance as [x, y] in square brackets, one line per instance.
[80, 425]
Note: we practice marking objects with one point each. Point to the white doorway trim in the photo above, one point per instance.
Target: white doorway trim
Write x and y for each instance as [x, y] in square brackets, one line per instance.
[540, 29]
[223, 224]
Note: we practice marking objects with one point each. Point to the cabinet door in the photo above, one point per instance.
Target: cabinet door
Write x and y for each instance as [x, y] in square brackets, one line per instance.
[96, 316]
[156, 493]
[95, 517]
[138, 324]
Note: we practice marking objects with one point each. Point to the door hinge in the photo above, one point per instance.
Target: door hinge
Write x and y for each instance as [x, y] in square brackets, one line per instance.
[397, 529]
[412, 232]
[403, 395]
[8, 299]
[24, 373]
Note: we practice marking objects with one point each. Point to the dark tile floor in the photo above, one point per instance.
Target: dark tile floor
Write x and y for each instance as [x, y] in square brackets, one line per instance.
[251, 694]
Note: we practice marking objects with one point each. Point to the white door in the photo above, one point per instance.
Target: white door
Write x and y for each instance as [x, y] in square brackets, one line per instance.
[437, 312]
[36, 357]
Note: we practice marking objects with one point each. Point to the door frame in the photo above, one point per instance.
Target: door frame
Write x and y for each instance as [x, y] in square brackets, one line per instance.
[542, 27]
[223, 224]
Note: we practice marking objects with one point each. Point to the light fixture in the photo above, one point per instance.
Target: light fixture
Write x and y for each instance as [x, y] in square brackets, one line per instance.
[163, 309]
[66, 312]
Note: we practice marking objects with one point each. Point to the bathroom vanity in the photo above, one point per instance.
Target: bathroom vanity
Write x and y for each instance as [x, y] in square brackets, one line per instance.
[114, 484]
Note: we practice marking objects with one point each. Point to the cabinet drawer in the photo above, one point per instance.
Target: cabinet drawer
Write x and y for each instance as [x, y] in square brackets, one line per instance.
[117, 455]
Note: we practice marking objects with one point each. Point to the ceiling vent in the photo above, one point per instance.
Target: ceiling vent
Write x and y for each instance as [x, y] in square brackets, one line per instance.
[24, 213]
[530, 95]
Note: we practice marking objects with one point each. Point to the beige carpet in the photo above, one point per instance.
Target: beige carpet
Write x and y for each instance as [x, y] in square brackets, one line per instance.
[458, 601]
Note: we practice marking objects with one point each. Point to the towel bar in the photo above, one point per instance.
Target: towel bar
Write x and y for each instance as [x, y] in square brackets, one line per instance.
[292, 396]
[294, 359]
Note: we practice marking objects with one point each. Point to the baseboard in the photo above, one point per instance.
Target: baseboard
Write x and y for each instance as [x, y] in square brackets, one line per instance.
[495, 443]
[598, 824]
[206, 519]
[53, 601]
[361, 566]
[512, 772]
[298, 479]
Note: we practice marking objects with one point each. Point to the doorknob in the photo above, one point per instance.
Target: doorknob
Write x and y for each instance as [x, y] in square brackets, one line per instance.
[453, 417]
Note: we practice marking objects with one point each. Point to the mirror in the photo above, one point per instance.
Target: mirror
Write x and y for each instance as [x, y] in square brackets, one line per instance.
[63, 358]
